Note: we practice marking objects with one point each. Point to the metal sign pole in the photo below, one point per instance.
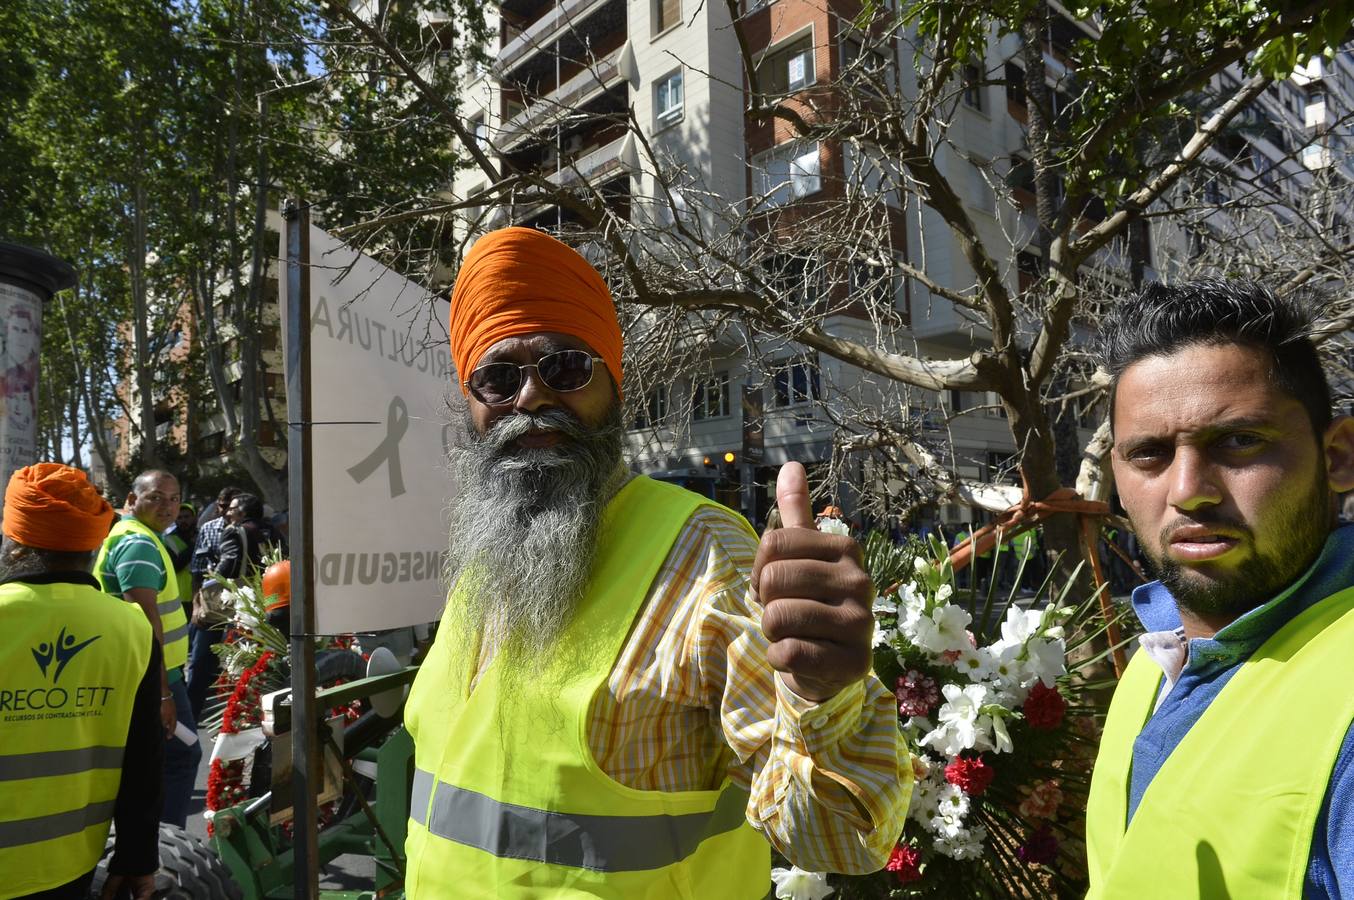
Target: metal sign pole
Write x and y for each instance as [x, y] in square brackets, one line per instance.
[304, 738]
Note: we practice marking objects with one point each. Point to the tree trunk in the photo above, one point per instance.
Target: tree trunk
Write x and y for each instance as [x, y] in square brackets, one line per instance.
[142, 364]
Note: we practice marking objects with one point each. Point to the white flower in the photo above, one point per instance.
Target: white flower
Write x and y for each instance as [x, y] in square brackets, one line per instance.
[1007, 672]
[952, 800]
[946, 824]
[965, 844]
[944, 592]
[834, 526]
[885, 605]
[944, 630]
[976, 663]
[1001, 738]
[1020, 624]
[1046, 660]
[962, 724]
[796, 884]
[911, 610]
[881, 634]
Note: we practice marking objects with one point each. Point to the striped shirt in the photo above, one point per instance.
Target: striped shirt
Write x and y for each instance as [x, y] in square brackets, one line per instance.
[692, 698]
[207, 548]
[133, 561]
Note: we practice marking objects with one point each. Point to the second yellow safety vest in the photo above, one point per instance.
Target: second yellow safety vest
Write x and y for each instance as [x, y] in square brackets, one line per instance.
[71, 658]
[172, 620]
[1231, 812]
[508, 800]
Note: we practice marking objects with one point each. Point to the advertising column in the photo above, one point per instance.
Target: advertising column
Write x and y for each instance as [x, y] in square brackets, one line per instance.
[28, 278]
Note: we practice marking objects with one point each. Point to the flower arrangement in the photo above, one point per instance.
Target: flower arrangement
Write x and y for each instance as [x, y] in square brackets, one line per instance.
[255, 660]
[1002, 742]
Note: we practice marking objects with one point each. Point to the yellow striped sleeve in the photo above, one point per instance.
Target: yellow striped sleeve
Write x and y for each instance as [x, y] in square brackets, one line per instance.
[692, 699]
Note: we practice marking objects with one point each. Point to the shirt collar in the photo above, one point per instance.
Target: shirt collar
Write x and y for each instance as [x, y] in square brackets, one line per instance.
[1333, 569]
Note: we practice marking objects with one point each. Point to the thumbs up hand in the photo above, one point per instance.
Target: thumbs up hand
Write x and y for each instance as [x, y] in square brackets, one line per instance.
[816, 597]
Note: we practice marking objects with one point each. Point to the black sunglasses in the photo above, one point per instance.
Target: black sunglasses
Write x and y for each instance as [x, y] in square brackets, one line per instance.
[497, 383]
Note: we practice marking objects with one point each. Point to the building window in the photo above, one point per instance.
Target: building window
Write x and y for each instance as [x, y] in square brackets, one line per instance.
[1015, 84]
[971, 78]
[213, 444]
[794, 280]
[789, 68]
[667, 99]
[666, 13]
[865, 69]
[655, 408]
[789, 172]
[479, 129]
[710, 399]
[796, 383]
[871, 283]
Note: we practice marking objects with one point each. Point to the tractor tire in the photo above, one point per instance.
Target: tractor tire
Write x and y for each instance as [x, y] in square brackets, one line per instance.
[189, 869]
[338, 665]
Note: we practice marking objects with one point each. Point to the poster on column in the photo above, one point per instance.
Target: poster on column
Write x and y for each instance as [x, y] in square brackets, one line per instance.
[379, 380]
[20, 339]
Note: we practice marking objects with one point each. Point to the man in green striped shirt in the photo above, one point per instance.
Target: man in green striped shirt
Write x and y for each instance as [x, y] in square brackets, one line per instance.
[132, 566]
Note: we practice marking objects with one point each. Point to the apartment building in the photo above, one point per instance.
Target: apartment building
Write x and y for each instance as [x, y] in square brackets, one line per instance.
[649, 100]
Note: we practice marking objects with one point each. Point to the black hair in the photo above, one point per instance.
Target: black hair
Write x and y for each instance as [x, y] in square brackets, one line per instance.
[1165, 319]
[20, 560]
[250, 505]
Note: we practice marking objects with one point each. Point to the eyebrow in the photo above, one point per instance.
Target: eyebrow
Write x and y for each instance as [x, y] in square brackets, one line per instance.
[1239, 423]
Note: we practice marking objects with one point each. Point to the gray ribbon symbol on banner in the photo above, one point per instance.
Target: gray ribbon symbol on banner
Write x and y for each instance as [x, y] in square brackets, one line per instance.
[388, 451]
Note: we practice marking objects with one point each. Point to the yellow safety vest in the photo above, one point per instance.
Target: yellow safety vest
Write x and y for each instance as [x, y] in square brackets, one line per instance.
[70, 663]
[508, 801]
[172, 620]
[1231, 812]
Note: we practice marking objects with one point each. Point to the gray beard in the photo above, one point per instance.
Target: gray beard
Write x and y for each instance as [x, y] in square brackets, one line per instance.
[524, 526]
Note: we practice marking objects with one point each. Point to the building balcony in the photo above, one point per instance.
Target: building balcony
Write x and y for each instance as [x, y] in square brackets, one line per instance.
[596, 164]
[564, 16]
[545, 111]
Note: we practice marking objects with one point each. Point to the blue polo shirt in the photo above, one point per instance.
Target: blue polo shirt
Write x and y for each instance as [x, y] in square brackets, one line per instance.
[1211, 662]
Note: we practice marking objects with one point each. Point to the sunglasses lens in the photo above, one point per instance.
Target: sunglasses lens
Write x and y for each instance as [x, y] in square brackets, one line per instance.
[495, 382]
[567, 370]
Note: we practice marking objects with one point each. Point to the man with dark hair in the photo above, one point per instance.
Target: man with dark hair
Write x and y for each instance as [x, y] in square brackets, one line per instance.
[203, 665]
[81, 741]
[133, 564]
[245, 540]
[1226, 768]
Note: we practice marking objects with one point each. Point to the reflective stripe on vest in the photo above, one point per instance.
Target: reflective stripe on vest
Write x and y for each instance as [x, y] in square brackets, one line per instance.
[173, 622]
[46, 763]
[26, 832]
[71, 659]
[600, 843]
[1232, 810]
[510, 803]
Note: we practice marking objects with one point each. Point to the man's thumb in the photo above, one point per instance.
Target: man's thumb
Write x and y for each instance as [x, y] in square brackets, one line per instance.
[792, 496]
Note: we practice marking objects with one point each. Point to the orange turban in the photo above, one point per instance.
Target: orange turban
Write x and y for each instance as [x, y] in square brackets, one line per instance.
[54, 507]
[519, 281]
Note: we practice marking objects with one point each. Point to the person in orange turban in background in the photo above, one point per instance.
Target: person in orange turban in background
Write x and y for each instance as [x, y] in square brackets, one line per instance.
[619, 654]
[85, 668]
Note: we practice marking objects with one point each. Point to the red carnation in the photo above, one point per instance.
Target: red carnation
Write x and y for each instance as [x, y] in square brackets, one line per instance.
[905, 864]
[1044, 707]
[972, 776]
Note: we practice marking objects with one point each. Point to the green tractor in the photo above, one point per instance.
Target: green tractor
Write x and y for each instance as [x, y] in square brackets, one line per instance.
[368, 769]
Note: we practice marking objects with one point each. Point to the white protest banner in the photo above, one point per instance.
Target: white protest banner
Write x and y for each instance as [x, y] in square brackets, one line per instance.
[379, 378]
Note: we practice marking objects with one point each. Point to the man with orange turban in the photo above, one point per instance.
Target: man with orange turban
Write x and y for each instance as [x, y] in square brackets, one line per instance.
[628, 696]
[80, 739]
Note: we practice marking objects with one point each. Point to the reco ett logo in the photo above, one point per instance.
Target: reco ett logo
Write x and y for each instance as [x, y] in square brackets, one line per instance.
[61, 651]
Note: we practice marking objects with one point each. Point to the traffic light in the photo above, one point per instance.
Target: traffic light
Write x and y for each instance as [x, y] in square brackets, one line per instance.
[709, 463]
[731, 466]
